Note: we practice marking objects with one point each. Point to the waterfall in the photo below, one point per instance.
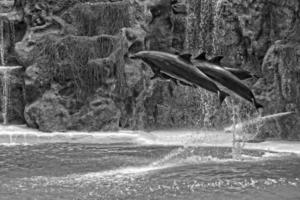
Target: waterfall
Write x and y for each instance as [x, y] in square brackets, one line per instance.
[11, 97]
[12, 32]
[5, 98]
[238, 142]
[2, 42]
[11, 80]
[5, 76]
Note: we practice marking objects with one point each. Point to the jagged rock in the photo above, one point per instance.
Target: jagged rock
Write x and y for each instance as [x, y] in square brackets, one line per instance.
[200, 25]
[280, 89]
[159, 29]
[99, 18]
[78, 66]
[66, 61]
[47, 113]
[249, 28]
[179, 7]
[100, 114]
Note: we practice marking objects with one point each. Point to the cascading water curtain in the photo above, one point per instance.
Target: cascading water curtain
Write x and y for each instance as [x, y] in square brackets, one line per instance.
[12, 33]
[2, 42]
[5, 96]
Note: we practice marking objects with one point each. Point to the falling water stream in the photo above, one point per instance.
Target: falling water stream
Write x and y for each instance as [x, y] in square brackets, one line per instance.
[5, 79]
[2, 42]
[5, 97]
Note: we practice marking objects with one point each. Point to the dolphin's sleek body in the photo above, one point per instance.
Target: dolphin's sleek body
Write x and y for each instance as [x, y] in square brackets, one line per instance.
[174, 80]
[215, 71]
[179, 68]
[240, 73]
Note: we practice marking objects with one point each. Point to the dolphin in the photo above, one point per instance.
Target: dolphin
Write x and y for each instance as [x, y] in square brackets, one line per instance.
[163, 76]
[241, 74]
[174, 80]
[180, 68]
[213, 69]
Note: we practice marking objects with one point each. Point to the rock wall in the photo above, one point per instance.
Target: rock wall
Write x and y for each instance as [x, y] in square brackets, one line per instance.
[247, 33]
[78, 75]
[257, 36]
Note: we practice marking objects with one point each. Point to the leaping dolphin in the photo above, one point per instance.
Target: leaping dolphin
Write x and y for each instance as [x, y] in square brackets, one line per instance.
[174, 80]
[215, 71]
[164, 76]
[241, 74]
[179, 68]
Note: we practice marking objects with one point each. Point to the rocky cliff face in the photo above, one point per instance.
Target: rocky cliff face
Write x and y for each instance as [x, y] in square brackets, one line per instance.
[263, 37]
[78, 75]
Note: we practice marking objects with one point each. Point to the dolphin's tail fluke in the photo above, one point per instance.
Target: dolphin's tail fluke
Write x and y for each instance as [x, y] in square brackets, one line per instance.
[257, 105]
[222, 95]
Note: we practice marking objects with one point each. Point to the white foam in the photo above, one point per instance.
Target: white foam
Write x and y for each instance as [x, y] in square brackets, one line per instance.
[187, 138]
[126, 171]
[21, 135]
[12, 144]
[256, 120]
[8, 68]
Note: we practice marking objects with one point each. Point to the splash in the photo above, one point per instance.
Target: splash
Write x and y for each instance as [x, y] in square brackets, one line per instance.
[237, 143]
[256, 120]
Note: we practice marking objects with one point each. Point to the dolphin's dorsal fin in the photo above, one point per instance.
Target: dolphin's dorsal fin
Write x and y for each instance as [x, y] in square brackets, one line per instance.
[155, 76]
[216, 60]
[186, 56]
[201, 56]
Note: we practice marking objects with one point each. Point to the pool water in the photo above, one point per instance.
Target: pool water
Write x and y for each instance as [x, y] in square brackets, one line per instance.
[131, 170]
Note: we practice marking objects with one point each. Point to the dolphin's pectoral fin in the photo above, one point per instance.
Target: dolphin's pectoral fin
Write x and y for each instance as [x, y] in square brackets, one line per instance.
[222, 95]
[216, 60]
[175, 81]
[156, 74]
[201, 56]
[185, 84]
[257, 105]
[186, 57]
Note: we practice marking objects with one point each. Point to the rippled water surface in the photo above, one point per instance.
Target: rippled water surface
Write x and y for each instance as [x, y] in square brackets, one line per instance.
[136, 171]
